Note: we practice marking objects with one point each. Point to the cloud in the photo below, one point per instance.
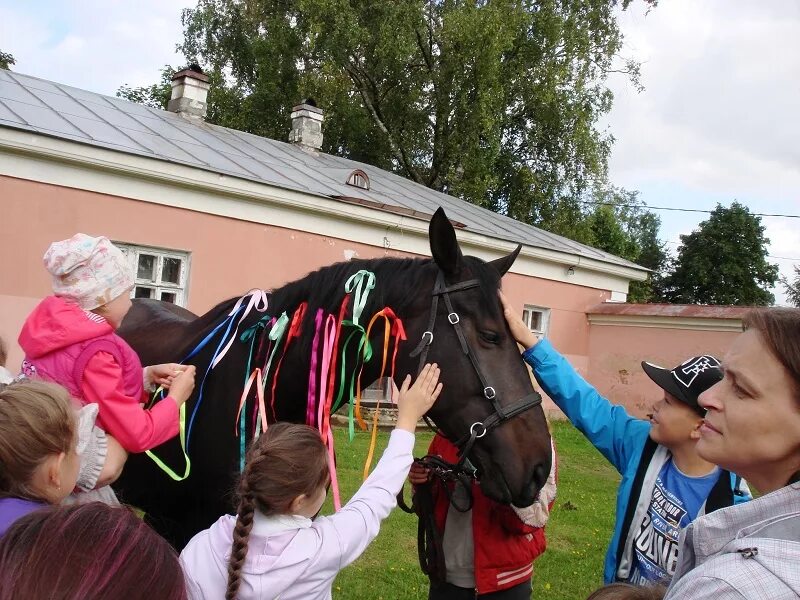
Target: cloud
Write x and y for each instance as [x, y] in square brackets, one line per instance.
[716, 121]
[95, 45]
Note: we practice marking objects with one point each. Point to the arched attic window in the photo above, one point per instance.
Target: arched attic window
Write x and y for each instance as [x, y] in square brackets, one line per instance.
[358, 179]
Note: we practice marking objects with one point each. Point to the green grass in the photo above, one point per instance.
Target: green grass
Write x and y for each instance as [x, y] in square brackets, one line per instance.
[577, 534]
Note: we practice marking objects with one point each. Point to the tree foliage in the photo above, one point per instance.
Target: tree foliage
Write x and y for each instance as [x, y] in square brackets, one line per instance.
[6, 60]
[494, 102]
[154, 96]
[724, 261]
[621, 225]
[792, 288]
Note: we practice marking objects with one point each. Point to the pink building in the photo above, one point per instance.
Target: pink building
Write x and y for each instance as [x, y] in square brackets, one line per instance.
[205, 213]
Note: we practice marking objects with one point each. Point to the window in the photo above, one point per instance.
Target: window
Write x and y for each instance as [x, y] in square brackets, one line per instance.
[160, 274]
[536, 318]
[358, 179]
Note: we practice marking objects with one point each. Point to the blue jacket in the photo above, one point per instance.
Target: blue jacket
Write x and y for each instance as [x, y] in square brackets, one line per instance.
[626, 444]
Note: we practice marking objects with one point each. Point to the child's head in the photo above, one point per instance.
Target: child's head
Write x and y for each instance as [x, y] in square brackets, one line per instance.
[38, 442]
[87, 552]
[92, 273]
[677, 417]
[626, 591]
[286, 473]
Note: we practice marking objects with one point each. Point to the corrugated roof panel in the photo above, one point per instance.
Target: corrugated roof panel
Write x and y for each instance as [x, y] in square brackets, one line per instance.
[63, 104]
[128, 107]
[43, 119]
[10, 90]
[157, 147]
[9, 116]
[199, 135]
[265, 172]
[214, 160]
[158, 126]
[88, 98]
[37, 84]
[102, 132]
[116, 117]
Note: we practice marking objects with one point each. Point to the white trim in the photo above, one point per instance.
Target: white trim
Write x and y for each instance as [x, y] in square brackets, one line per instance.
[56, 161]
[519, 574]
[618, 297]
[667, 322]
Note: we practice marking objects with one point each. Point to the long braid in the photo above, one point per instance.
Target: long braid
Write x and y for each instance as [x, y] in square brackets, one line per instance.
[286, 461]
[244, 524]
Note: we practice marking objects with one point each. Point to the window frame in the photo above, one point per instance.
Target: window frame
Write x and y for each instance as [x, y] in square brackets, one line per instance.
[132, 253]
[528, 310]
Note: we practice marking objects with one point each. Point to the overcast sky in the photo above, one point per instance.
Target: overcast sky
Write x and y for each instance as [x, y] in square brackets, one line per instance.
[717, 121]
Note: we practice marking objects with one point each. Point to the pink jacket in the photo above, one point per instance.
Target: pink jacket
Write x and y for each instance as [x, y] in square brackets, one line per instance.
[293, 557]
[79, 350]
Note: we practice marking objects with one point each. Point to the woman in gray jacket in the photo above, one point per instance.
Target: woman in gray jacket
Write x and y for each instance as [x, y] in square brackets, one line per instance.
[752, 427]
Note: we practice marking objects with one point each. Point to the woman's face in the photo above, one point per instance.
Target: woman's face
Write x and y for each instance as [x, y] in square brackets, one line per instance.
[752, 426]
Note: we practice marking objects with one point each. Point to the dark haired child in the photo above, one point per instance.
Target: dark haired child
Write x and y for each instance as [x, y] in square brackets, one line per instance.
[276, 546]
[87, 552]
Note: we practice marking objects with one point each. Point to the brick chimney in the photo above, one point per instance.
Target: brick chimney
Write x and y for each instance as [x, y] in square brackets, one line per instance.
[307, 125]
[189, 93]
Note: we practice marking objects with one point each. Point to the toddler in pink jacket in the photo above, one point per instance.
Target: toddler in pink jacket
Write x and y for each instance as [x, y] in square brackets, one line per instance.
[276, 546]
[70, 339]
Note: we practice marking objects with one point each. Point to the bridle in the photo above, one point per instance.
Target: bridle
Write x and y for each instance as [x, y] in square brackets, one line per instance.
[429, 539]
[501, 413]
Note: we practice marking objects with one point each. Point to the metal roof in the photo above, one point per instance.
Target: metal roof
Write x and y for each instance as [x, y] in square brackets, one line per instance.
[70, 113]
[670, 310]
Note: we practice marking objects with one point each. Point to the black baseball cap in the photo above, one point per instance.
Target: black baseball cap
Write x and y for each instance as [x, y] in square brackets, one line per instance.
[688, 380]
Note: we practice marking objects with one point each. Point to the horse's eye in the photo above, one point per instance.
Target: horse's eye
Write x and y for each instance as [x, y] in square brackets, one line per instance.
[490, 336]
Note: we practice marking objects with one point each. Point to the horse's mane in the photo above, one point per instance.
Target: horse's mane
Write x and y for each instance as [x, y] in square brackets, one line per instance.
[397, 278]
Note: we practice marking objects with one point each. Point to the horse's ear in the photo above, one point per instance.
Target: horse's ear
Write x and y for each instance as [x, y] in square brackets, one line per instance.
[504, 264]
[444, 245]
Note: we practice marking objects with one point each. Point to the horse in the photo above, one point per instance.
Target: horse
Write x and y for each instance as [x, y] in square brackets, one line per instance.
[488, 405]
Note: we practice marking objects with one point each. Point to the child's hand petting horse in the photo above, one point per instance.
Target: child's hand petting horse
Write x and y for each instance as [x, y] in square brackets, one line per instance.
[519, 330]
[415, 400]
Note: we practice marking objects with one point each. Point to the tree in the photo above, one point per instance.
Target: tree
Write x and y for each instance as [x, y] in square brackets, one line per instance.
[154, 96]
[724, 261]
[6, 60]
[792, 288]
[621, 225]
[494, 102]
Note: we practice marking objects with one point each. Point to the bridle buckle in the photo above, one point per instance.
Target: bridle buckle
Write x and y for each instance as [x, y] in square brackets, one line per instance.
[472, 430]
[453, 318]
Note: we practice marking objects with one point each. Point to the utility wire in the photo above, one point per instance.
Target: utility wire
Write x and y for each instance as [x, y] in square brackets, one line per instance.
[675, 209]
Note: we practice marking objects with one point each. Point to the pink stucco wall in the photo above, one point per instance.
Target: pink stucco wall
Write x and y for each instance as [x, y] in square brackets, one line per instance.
[36, 214]
[617, 351]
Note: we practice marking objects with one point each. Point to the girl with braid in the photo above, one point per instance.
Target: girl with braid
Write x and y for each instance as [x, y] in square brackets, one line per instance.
[276, 546]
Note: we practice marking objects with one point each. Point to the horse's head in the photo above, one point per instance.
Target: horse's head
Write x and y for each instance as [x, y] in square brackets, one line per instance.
[513, 458]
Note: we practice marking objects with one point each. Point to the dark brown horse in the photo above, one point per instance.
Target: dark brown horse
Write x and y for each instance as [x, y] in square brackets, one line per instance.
[513, 458]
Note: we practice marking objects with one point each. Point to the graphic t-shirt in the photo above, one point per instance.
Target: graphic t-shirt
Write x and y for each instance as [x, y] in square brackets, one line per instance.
[675, 502]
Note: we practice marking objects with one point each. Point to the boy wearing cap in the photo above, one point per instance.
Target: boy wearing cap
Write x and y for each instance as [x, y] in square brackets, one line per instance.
[665, 484]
